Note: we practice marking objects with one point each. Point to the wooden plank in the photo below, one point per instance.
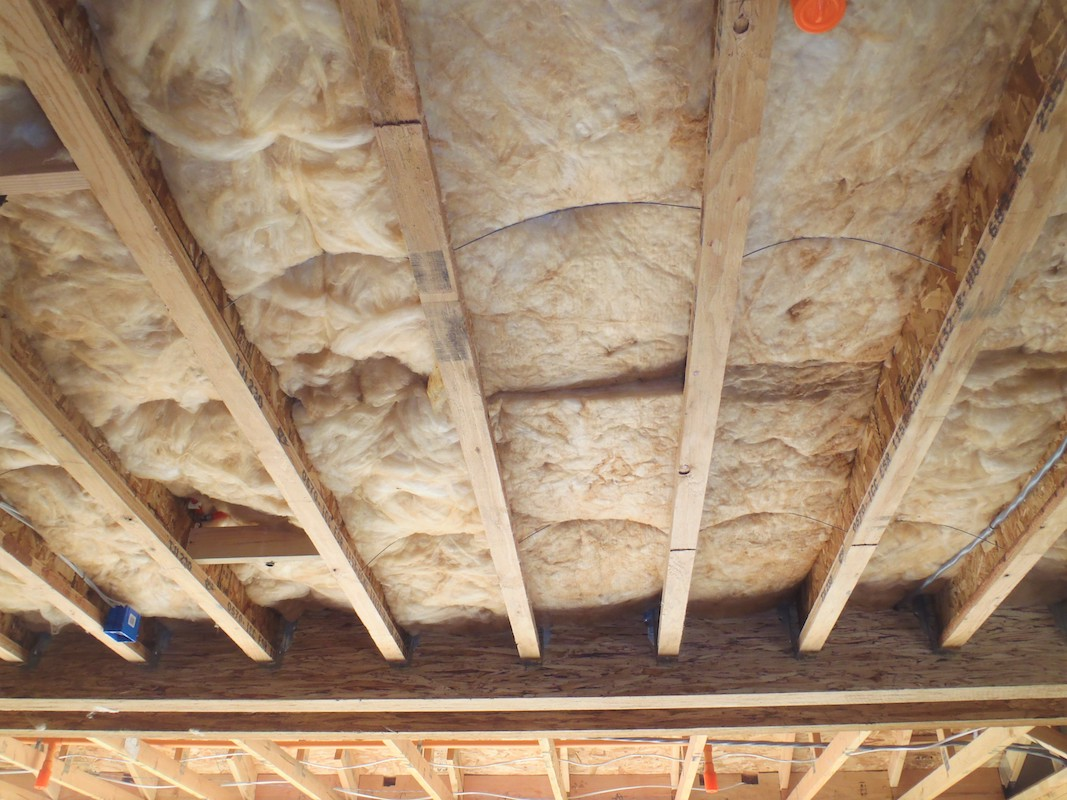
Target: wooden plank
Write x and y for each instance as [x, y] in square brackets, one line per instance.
[1009, 190]
[26, 556]
[741, 60]
[1053, 787]
[419, 769]
[384, 58]
[19, 787]
[241, 544]
[553, 768]
[288, 768]
[36, 171]
[53, 46]
[786, 754]
[144, 508]
[984, 747]
[1011, 766]
[676, 767]
[349, 777]
[155, 762]
[1052, 740]
[989, 573]
[243, 769]
[878, 673]
[898, 758]
[16, 640]
[982, 784]
[694, 755]
[69, 777]
[832, 758]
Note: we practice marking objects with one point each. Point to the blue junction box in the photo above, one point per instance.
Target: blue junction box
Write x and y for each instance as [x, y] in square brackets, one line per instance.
[123, 624]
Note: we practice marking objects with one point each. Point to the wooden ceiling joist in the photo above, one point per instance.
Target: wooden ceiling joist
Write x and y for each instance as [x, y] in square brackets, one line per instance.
[69, 777]
[1009, 190]
[460, 683]
[972, 756]
[419, 768]
[988, 574]
[25, 555]
[832, 758]
[1052, 740]
[694, 754]
[16, 640]
[157, 763]
[53, 46]
[741, 60]
[553, 768]
[144, 508]
[382, 52]
[288, 768]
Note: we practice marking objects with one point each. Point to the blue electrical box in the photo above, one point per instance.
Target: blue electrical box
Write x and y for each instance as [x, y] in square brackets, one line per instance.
[123, 624]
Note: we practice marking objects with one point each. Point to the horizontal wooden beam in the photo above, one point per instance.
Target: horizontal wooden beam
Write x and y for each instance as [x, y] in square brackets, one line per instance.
[989, 573]
[972, 756]
[144, 508]
[241, 544]
[879, 672]
[1009, 190]
[741, 62]
[26, 556]
[16, 640]
[53, 46]
[386, 65]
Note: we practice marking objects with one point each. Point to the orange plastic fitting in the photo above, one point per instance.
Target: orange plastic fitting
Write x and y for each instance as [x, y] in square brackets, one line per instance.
[711, 780]
[44, 775]
[818, 16]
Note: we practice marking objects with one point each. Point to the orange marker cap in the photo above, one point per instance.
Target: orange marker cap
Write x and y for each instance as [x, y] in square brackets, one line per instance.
[818, 16]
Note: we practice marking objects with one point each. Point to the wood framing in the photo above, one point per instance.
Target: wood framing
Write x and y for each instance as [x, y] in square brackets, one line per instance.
[53, 46]
[382, 52]
[348, 776]
[832, 758]
[26, 556]
[694, 754]
[73, 778]
[16, 640]
[898, 758]
[1010, 188]
[553, 768]
[741, 61]
[738, 673]
[1052, 787]
[20, 787]
[244, 772]
[27, 171]
[988, 574]
[288, 768]
[985, 746]
[1052, 740]
[241, 544]
[144, 508]
[419, 769]
[155, 762]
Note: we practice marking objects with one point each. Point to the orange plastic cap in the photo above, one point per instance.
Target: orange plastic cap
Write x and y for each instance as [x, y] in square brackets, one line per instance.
[818, 16]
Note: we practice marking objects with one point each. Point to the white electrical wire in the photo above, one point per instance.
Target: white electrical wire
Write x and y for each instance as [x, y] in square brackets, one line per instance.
[14, 512]
[997, 520]
[334, 768]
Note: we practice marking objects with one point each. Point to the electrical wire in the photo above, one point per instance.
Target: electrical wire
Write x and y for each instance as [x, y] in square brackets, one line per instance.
[335, 768]
[914, 748]
[14, 512]
[997, 520]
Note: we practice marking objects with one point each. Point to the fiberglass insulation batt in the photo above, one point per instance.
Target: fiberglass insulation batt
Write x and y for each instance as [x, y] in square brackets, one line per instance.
[569, 140]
